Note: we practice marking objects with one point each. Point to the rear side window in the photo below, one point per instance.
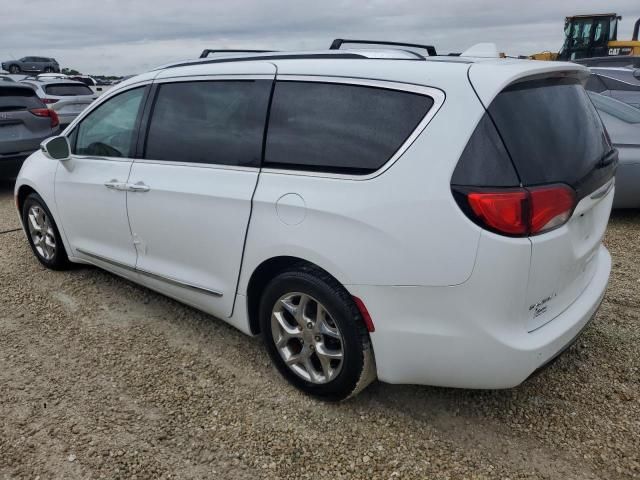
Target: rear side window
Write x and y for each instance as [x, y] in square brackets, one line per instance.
[485, 161]
[16, 98]
[67, 90]
[339, 128]
[218, 122]
[551, 130]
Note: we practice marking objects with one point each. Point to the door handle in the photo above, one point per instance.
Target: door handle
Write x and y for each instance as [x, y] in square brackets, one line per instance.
[115, 185]
[137, 187]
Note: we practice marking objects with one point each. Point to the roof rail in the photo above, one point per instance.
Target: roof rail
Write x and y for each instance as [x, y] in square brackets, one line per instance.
[205, 53]
[262, 57]
[338, 42]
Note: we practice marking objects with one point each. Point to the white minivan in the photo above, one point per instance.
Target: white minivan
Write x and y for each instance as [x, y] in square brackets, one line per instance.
[371, 213]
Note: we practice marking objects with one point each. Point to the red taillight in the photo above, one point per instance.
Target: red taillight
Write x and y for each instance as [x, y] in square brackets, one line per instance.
[550, 207]
[501, 211]
[522, 211]
[45, 112]
[49, 100]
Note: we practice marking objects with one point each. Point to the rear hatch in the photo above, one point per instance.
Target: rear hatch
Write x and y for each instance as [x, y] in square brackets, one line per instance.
[71, 98]
[557, 166]
[24, 121]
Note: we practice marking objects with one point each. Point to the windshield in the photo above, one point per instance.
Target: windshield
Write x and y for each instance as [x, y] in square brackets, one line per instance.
[67, 90]
[615, 108]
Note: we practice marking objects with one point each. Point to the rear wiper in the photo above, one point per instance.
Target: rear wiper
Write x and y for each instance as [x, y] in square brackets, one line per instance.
[608, 159]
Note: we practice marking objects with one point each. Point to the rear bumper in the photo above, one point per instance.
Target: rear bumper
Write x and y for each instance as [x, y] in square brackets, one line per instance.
[439, 336]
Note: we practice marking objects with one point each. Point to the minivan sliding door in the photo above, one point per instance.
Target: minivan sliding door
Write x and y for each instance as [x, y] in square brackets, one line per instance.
[190, 208]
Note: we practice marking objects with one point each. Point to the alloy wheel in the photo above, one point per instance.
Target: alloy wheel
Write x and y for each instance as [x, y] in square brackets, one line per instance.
[41, 232]
[307, 338]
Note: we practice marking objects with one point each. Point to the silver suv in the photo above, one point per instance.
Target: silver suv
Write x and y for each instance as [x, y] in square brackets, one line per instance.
[31, 64]
[66, 97]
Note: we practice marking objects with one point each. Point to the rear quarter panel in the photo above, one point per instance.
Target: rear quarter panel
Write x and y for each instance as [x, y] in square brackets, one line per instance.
[401, 227]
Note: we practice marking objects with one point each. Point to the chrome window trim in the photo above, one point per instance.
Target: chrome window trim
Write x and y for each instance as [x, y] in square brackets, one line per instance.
[170, 280]
[215, 166]
[214, 78]
[437, 95]
[105, 159]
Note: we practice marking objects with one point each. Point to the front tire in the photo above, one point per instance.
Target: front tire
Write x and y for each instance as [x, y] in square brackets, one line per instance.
[43, 235]
[14, 69]
[315, 335]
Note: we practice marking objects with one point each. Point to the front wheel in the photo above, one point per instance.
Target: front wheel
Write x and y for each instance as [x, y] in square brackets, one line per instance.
[15, 69]
[42, 233]
[315, 335]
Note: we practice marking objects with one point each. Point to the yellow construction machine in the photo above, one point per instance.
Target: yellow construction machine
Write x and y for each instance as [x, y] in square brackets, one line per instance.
[588, 36]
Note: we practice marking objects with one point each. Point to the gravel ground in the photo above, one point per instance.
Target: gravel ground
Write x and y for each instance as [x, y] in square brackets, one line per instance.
[104, 379]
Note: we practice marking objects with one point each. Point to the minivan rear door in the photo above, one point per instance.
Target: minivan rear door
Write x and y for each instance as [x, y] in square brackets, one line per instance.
[554, 136]
[191, 188]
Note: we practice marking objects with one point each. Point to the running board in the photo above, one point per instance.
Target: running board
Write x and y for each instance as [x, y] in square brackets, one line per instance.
[155, 276]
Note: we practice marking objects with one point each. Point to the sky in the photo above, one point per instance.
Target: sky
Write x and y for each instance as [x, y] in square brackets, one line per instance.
[121, 37]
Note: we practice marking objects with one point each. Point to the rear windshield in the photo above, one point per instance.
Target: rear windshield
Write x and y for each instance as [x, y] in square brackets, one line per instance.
[551, 130]
[67, 90]
[16, 98]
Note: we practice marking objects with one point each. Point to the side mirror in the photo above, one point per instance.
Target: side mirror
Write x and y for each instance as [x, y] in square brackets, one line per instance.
[56, 148]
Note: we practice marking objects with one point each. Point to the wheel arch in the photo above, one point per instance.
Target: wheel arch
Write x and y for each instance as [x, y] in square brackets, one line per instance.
[263, 274]
[21, 195]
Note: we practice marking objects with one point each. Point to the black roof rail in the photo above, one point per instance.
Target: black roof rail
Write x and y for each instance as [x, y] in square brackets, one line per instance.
[205, 53]
[275, 56]
[337, 43]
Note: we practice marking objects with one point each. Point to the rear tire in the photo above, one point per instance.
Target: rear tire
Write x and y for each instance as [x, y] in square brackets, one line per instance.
[48, 70]
[315, 335]
[43, 235]
[14, 69]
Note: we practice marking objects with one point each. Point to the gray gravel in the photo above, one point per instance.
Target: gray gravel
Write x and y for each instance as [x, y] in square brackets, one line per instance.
[104, 379]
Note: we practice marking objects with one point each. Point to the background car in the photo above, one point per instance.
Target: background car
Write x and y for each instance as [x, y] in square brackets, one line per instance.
[620, 83]
[24, 122]
[31, 64]
[612, 61]
[623, 125]
[92, 83]
[67, 97]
